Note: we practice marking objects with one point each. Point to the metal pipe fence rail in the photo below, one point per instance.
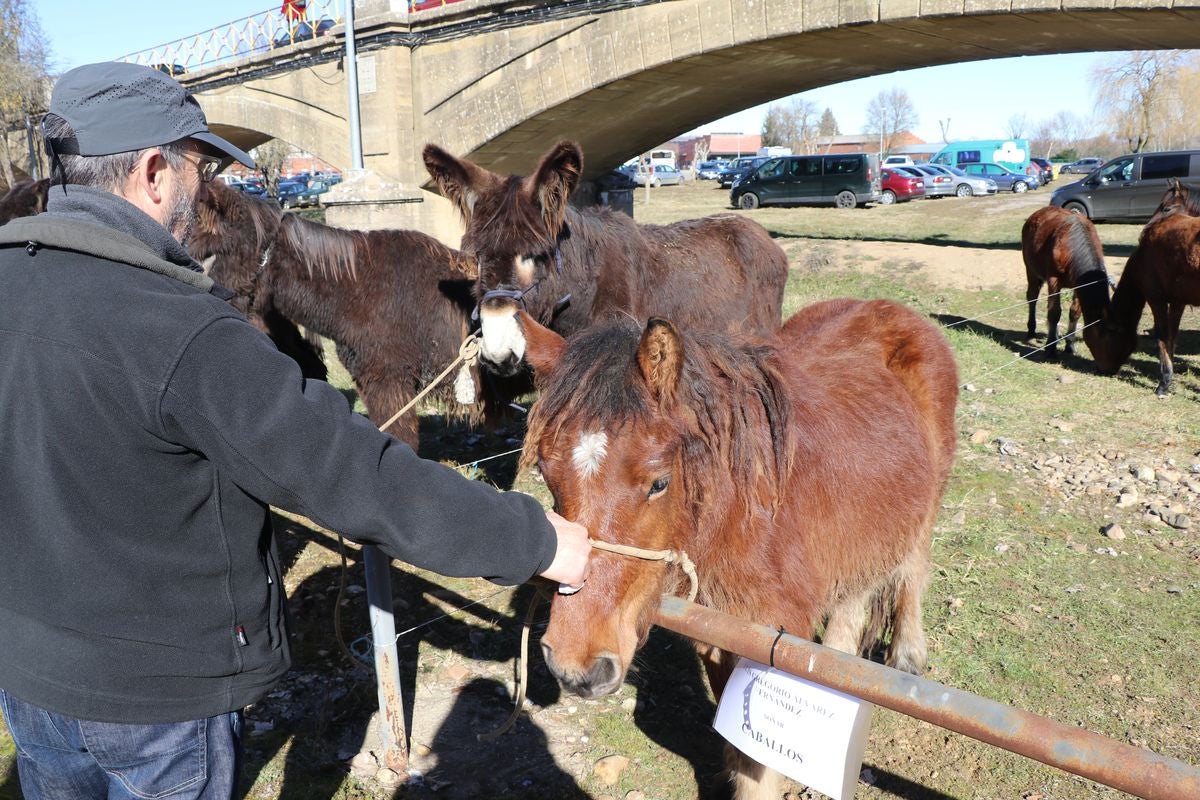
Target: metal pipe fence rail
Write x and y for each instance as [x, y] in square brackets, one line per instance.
[1137, 771]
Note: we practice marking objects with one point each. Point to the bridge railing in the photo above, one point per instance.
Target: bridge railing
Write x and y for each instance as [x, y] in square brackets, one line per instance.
[259, 33]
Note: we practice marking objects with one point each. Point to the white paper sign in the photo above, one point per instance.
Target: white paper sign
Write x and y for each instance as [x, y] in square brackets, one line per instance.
[812, 734]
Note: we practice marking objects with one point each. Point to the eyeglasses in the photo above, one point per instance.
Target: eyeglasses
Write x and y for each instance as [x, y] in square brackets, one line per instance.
[208, 166]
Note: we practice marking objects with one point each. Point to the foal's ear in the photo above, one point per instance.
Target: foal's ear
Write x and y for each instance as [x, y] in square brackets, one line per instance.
[543, 347]
[660, 358]
[457, 179]
[555, 180]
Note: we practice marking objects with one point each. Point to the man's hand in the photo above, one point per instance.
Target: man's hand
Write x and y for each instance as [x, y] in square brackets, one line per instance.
[570, 565]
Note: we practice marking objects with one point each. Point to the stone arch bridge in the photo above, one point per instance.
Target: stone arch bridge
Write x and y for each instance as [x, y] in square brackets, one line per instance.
[500, 80]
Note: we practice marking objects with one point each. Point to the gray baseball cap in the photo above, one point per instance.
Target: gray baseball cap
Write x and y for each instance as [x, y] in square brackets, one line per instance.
[117, 107]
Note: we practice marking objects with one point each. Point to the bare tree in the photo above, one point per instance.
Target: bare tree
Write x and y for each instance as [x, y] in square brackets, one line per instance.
[944, 124]
[270, 158]
[700, 151]
[1062, 130]
[793, 125]
[1133, 91]
[1017, 124]
[890, 113]
[24, 79]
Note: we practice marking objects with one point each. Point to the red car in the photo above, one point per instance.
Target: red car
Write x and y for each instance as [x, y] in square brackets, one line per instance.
[899, 186]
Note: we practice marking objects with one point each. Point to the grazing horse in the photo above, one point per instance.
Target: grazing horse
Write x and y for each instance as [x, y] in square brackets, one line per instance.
[800, 493]
[569, 268]
[24, 199]
[396, 303]
[1164, 272]
[1062, 250]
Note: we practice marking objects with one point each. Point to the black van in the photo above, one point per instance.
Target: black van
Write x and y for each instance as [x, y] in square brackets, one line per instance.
[845, 180]
[1129, 188]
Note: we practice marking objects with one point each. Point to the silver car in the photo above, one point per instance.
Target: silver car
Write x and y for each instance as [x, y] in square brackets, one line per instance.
[967, 185]
[939, 181]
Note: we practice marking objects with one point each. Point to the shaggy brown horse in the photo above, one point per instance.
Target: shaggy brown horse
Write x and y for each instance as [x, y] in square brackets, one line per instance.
[569, 268]
[800, 494]
[24, 199]
[1164, 271]
[396, 303]
[1062, 250]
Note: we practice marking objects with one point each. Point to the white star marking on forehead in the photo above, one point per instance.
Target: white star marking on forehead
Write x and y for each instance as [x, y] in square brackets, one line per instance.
[589, 453]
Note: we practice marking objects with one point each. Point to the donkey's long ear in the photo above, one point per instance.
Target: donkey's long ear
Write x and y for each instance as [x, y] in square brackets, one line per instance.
[660, 358]
[555, 180]
[543, 347]
[457, 179]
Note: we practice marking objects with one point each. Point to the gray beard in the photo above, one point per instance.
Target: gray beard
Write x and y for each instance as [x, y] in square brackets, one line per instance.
[181, 219]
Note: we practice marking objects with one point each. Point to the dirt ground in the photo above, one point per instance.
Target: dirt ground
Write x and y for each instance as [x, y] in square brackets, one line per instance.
[941, 265]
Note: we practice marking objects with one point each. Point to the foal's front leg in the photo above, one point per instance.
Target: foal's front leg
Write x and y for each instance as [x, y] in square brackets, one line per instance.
[1073, 315]
[1167, 317]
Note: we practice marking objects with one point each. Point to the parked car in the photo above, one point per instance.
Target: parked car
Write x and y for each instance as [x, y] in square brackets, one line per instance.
[1047, 170]
[845, 180]
[1083, 166]
[1130, 187]
[295, 194]
[252, 187]
[709, 170]
[969, 185]
[939, 181]
[1006, 180]
[898, 161]
[662, 175]
[899, 186]
[739, 169]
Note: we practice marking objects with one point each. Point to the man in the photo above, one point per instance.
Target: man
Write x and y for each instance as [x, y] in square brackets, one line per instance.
[145, 427]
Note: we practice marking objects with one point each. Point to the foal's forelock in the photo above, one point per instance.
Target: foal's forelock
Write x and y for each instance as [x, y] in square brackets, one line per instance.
[507, 225]
[732, 394]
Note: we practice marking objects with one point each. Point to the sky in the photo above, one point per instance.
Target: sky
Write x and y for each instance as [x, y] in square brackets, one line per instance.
[977, 98]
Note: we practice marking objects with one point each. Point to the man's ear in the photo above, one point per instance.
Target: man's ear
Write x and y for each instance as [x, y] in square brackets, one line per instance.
[146, 184]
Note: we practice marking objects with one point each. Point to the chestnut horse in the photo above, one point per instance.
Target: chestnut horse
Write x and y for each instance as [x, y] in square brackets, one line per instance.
[801, 495]
[24, 199]
[569, 268]
[396, 303]
[1164, 272]
[1062, 250]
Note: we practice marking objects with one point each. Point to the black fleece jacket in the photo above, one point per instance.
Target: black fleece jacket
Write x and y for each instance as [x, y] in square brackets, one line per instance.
[145, 426]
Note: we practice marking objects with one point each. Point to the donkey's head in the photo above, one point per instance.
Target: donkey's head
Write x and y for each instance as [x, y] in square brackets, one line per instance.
[514, 226]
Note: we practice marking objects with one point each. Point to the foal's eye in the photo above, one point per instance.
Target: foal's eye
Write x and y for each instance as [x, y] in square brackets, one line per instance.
[658, 487]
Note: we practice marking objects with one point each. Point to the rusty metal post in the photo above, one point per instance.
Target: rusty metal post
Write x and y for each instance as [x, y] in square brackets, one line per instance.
[387, 663]
[1137, 771]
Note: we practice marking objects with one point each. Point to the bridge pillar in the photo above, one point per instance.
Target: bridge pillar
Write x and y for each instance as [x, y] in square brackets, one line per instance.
[367, 201]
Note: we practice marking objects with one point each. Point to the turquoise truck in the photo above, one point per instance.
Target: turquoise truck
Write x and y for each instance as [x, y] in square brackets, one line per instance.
[1011, 153]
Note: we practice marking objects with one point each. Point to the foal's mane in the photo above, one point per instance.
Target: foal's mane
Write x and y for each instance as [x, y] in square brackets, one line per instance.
[324, 250]
[1088, 272]
[736, 417]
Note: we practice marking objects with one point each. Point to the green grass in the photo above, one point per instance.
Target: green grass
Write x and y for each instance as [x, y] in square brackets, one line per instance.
[1020, 608]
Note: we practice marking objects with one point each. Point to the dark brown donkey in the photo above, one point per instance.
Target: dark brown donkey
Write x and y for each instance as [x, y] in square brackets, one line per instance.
[24, 199]
[1062, 250]
[397, 303]
[800, 495]
[569, 268]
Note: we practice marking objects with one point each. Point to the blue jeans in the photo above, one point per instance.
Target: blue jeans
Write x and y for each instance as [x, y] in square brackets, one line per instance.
[64, 758]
